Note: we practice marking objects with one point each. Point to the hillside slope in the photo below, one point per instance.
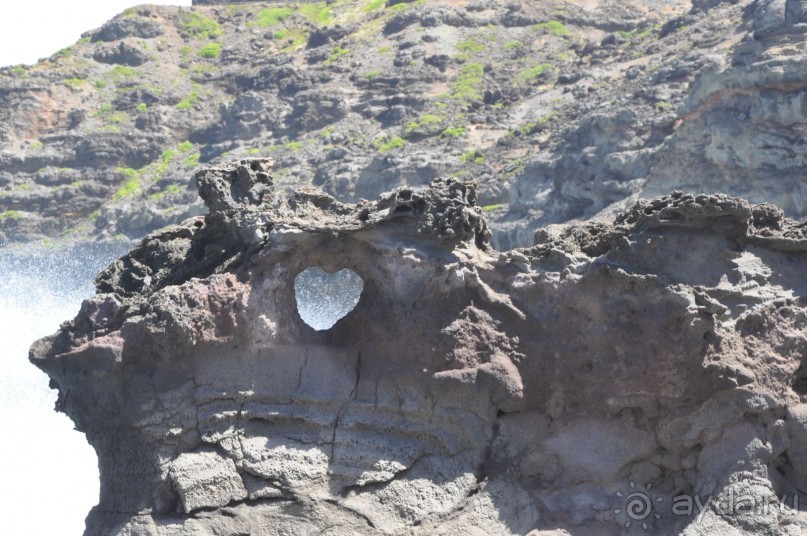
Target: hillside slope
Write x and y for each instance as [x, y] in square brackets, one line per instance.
[560, 110]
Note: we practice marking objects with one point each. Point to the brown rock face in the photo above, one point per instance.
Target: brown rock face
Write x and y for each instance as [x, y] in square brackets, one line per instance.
[467, 392]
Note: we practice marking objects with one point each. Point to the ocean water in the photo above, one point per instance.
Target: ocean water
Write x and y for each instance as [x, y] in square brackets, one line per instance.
[48, 471]
[323, 299]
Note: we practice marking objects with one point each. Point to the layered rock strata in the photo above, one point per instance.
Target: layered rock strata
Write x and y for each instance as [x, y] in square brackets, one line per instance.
[469, 391]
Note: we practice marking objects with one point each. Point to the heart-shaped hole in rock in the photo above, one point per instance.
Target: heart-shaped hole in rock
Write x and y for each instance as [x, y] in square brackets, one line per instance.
[323, 299]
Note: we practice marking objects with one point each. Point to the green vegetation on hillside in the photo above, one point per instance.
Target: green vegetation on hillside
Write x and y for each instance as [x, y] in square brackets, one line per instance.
[199, 26]
[131, 185]
[336, 53]
[473, 157]
[424, 121]
[554, 27]
[188, 102]
[10, 215]
[75, 83]
[468, 84]
[453, 132]
[374, 4]
[470, 45]
[210, 50]
[121, 71]
[272, 16]
[395, 142]
[527, 76]
[318, 13]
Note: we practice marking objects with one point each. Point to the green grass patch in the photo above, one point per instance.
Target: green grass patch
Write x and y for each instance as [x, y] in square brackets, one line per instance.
[492, 208]
[384, 49]
[201, 69]
[644, 33]
[118, 118]
[470, 45]
[165, 161]
[637, 35]
[273, 16]
[372, 74]
[318, 13]
[453, 132]
[210, 51]
[142, 107]
[473, 157]
[19, 70]
[281, 33]
[121, 72]
[294, 146]
[510, 45]
[131, 185]
[468, 84]
[75, 83]
[396, 142]
[336, 53]
[199, 26]
[298, 39]
[10, 215]
[104, 110]
[527, 76]
[548, 117]
[427, 120]
[185, 147]
[554, 27]
[62, 53]
[192, 160]
[373, 5]
[188, 102]
[171, 189]
[524, 130]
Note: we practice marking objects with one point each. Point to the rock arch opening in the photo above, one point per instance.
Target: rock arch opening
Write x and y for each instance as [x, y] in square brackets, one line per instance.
[323, 299]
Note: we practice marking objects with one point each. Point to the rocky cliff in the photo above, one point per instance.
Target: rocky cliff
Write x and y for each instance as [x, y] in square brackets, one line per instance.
[560, 110]
[589, 384]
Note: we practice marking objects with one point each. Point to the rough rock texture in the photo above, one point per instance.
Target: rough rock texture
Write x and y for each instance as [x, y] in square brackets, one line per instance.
[562, 110]
[537, 391]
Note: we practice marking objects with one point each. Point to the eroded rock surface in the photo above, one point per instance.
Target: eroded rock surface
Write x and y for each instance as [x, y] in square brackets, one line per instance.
[468, 392]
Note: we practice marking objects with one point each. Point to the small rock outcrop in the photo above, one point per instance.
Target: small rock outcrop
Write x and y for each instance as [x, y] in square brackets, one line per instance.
[537, 391]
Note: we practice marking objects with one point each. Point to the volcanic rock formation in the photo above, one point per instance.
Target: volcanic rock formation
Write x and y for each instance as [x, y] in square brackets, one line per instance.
[561, 110]
[469, 391]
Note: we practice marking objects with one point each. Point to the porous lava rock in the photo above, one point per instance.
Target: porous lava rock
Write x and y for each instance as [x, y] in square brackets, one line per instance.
[537, 391]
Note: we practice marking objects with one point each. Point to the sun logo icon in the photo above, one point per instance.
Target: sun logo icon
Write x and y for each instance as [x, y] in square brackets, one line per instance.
[638, 505]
